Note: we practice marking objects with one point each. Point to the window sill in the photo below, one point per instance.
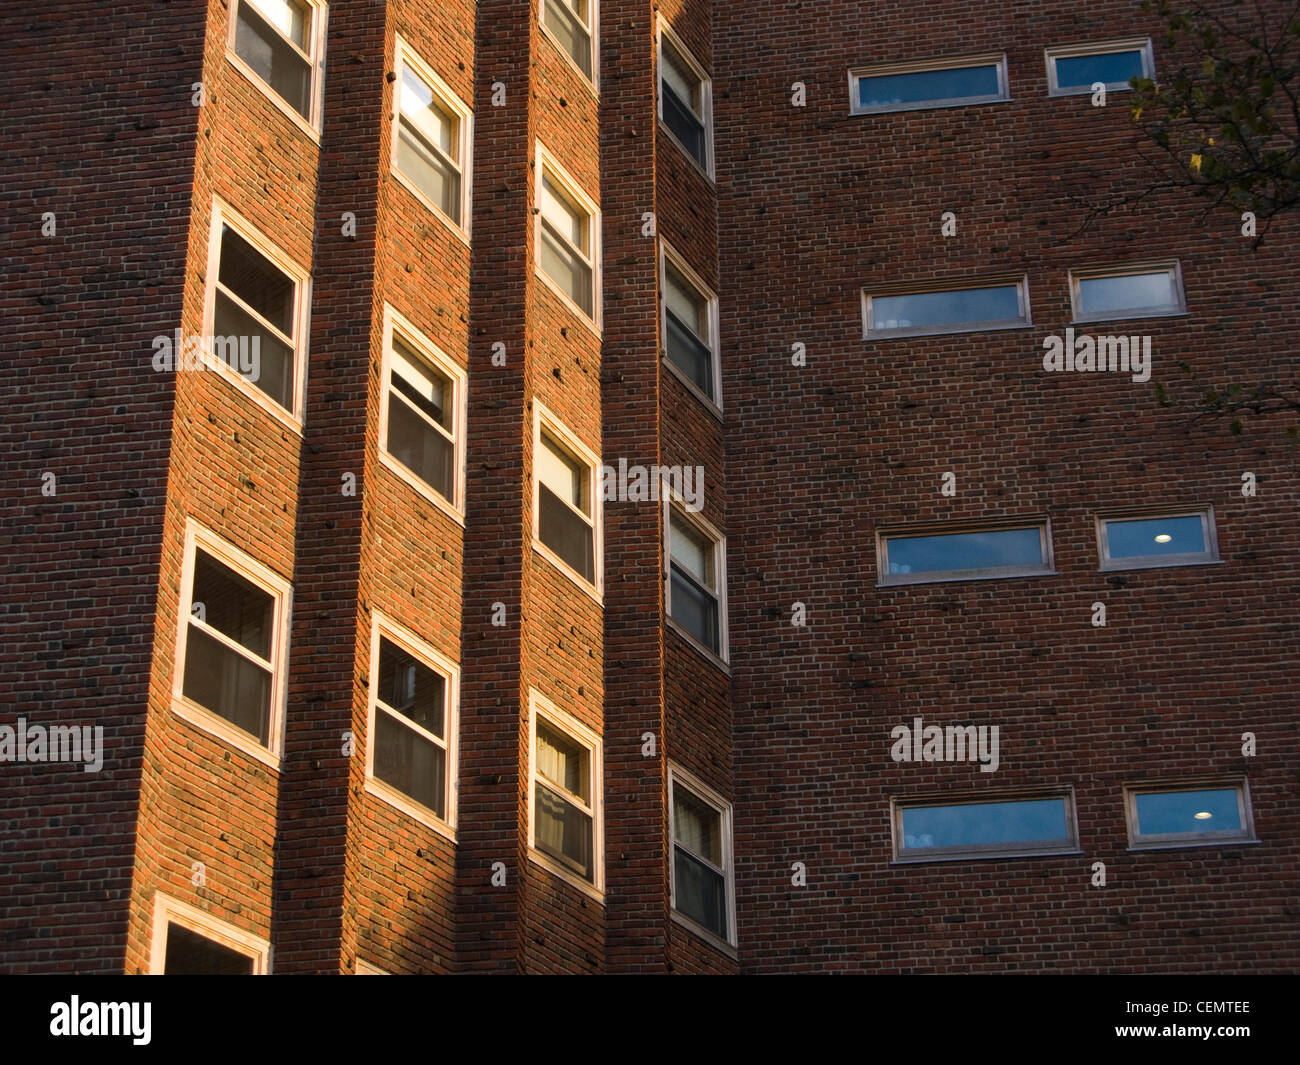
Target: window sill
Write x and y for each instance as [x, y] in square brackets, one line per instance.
[595, 592]
[1138, 848]
[694, 389]
[460, 233]
[710, 938]
[253, 393]
[586, 319]
[426, 492]
[1181, 312]
[409, 807]
[985, 857]
[284, 108]
[588, 82]
[1086, 90]
[700, 168]
[219, 728]
[928, 105]
[1135, 564]
[543, 860]
[983, 327]
[713, 657]
[896, 583]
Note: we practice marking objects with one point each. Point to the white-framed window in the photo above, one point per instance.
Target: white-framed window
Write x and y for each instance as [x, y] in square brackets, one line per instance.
[1148, 539]
[1200, 813]
[279, 45]
[975, 305]
[432, 139]
[565, 796]
[703, 873]
[695, 579]
[187, 941]
[933, 554]
[412, 725]
[422, 415]
[913, 86]
[567, 238]
[365, 968]
[1010, 825]
[690, 327]
[572, 25]
[256, 316]
[1074, 69]
[1146, 290]
[685, 99]
[567, 510]
[231, 645]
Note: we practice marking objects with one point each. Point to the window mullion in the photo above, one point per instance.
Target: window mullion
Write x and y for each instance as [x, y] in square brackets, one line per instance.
[227, 641]
[256, 315]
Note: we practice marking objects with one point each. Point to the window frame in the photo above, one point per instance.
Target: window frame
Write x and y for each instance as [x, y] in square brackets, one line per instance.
[706, 795]
[984, 59]
[570, 726]
[921, 288]
[168, 910]
[702, 526]
[383, 627]
[593, 32]
[313, 123]
[884, 579]
[706, 166]
[544, 420]
[902, 855]
[669, 256]
[1138, 841]
[405, 54]
[368, 968]
[1173, 267]
[200, 538]
[1141, 45]
[546, 165]
[458, 376]
[1210, 557]
[223, 214]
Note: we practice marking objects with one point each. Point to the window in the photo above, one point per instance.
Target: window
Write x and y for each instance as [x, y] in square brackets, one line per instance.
[685, 99]
[1142, 541]
[568, 236]
[281, 45]
[564, 817]
[566, 506]
[411, 753]
[1130, 292]
[1076, 69]
[231, 645]
[985, 828]
[188, 941]
[431, 138]
[938, 83]
[1188, 815]
[695, 595]
[571, 24]
[1018, 550]
[961, 308]
[421, 431]
[365, 968]
[690, 328]
[703, 890]
[256, 310]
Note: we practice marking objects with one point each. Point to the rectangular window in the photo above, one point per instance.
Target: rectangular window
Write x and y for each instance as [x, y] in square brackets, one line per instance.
[411, 753]
[985, 828]
[1127, 292]
[702, 885]
[188, 941]
[572, 24]
[567, 236]
[565, 795]
[1188, 815]
[685, 99]
[233, 627]
[1142, 541]
[938, 83]
[894, 312]
[1075, 69]
[566, 504]
[282, 44]
[423, 416]
[690, 327]
[431, 141]
[696, 578]
[923, 557]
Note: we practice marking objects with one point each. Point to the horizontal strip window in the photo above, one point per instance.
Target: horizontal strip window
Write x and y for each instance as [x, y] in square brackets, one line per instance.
[1134, 292]
[932, 311]
[1075, 69]
[938, 83]
[1144, 541]
[990, 828]
[1007, 551]
[1191, 815]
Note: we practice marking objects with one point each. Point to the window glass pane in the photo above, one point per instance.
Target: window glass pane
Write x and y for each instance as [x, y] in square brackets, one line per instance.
[232, 605]
[574, 38]
[424, 388]
[700, 892]
[565, 533]
[971, 306]
[685, 127]
[971, 824]
[926, 86]
[1129, 292]
[1208, 810]
[566, 219]
[222, 680]
[691, 550]
[190, 954]
[411, 688]
[563, 761]
[431, 173]
[411, 763]
[563, 831]
[290, 17]
[255, 280]
[566, 269]
[1082, 71]
[697, 826]
[421, 448]
[685, 351]
[241, 340]
[679, 80]
[694, 609]
[426, 113]
[561, 474]
[965, 552]
[272, 58]
[1139, 537]
[691, 309]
